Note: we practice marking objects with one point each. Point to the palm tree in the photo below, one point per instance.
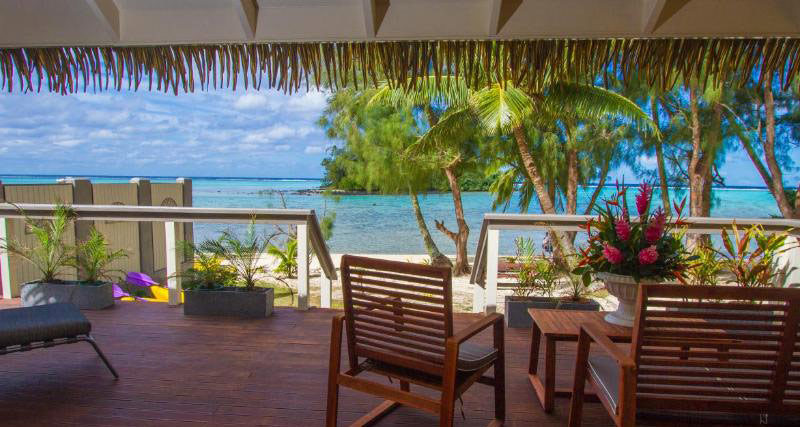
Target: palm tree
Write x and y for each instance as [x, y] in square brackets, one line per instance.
[378, 137]
[506, 109]
[452, 154]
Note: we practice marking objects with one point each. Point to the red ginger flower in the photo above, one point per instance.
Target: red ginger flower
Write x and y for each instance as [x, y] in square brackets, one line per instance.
[648, 255]
[643, 198]
[655, 230]
[612, 254]
[623, 229]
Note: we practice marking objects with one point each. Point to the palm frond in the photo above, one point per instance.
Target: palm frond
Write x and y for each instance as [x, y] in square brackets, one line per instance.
[500, 108]
[582, 101]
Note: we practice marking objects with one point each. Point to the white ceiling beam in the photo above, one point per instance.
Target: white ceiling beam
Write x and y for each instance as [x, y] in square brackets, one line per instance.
[500, 11]
[656, 12]
[248, 16]
[374, 12]
[107, 12]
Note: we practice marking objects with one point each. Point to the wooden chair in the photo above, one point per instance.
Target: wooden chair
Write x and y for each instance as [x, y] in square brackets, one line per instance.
[399, 322]
[698, 351]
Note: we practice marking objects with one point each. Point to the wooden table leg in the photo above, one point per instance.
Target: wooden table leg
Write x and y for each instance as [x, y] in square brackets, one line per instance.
[550, 374]
[536, 337]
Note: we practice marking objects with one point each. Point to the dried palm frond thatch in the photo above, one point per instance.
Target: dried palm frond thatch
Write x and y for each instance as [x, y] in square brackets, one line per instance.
[292, 66]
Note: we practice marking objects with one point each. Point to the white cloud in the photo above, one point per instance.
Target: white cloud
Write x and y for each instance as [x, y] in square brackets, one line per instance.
[313, 149]
[250, 101]
[271, 133]
[283, 147]
[155, 143]
[68, 143]
[102, 133]
[308, 102]
[647, 161]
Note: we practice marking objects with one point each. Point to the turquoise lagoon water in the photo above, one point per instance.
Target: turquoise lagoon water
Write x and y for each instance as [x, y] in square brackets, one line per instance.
[385, 223]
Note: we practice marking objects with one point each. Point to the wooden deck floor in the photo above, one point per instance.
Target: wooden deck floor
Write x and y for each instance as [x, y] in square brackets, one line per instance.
[177, 370]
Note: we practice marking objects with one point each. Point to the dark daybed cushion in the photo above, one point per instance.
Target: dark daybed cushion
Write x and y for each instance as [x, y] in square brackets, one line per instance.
[22, 326]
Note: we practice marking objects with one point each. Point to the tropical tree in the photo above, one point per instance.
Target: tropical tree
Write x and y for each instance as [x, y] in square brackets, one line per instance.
[376, 139]
[556, 114]
[454, 153]
[769, 117]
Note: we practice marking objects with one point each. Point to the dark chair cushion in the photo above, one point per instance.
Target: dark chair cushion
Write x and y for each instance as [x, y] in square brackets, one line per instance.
[605, 374]
[26, 325]
[472, 357]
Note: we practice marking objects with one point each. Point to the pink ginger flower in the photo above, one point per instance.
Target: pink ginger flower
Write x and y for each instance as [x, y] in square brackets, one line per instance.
[612, 254]
[655, 230]
[643, 198]
[623, 229]
[648, 255]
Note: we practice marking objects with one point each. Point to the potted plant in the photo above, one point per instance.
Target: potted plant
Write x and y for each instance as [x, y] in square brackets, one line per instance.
[751, 255]
[542, 277]
[50, 255]
[625, 252]
[224, 278]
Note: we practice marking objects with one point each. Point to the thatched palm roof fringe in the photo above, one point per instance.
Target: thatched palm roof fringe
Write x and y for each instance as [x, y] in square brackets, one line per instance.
[291, 66]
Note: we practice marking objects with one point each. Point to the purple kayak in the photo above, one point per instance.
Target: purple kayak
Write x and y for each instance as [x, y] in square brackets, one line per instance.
[139, 279]
[118, 292]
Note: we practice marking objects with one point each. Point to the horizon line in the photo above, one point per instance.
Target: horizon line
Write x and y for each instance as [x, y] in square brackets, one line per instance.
[23, 175]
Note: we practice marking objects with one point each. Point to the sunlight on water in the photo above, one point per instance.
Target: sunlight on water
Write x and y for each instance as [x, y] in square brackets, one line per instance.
[385, 224]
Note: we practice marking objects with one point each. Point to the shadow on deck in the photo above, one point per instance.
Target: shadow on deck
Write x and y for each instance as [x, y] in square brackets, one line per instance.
[178, 370]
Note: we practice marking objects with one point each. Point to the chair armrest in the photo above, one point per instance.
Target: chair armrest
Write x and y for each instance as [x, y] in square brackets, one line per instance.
[624, 360]
[476, 327]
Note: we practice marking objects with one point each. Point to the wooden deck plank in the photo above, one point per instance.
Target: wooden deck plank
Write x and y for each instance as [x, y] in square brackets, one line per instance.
[178, 370]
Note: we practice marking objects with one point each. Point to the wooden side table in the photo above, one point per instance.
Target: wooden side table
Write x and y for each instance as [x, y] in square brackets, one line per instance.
[555, 326]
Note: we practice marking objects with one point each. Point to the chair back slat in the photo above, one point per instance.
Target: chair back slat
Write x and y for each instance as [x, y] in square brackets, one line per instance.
[396, 312]
[717, 348]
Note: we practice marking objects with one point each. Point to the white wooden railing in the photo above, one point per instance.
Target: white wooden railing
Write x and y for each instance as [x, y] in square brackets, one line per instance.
[308, 231]
[485, 268]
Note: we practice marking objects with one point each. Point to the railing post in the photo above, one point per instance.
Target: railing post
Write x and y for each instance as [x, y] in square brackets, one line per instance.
[144, 197]
[325, 290]
[173, 262]
[788, 263]
[492, 255]
[302, 266]
[9, 290]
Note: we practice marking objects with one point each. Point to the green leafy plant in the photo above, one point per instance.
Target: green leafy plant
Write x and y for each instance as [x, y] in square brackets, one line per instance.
[287, 258]
[548, 277]
[94, 258]
[244, 254]
[207, 272]
[650, 246]
[527, 273]
[750, 255]
[706, 268]
[50, 254]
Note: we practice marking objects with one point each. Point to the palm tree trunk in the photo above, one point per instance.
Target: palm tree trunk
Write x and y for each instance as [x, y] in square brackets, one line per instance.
[437, 258]
[769, 154]
[599, 188]
[696, 175]
[461, 237]
[662, 168]
[563, 243]
[532, 171]
[572, 181]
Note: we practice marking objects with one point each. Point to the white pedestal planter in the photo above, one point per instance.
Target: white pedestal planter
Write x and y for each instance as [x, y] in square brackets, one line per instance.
[626, 290]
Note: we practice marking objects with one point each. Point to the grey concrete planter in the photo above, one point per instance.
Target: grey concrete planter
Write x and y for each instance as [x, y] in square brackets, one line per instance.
[232, 302]
[84, 296]
[517, 308]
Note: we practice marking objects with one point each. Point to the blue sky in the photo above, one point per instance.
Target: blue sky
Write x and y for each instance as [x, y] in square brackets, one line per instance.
[216, 133]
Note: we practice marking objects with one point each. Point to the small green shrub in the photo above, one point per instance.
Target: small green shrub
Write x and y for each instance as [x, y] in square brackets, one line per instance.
[94, 258]
[706, 268]
[50, 254]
